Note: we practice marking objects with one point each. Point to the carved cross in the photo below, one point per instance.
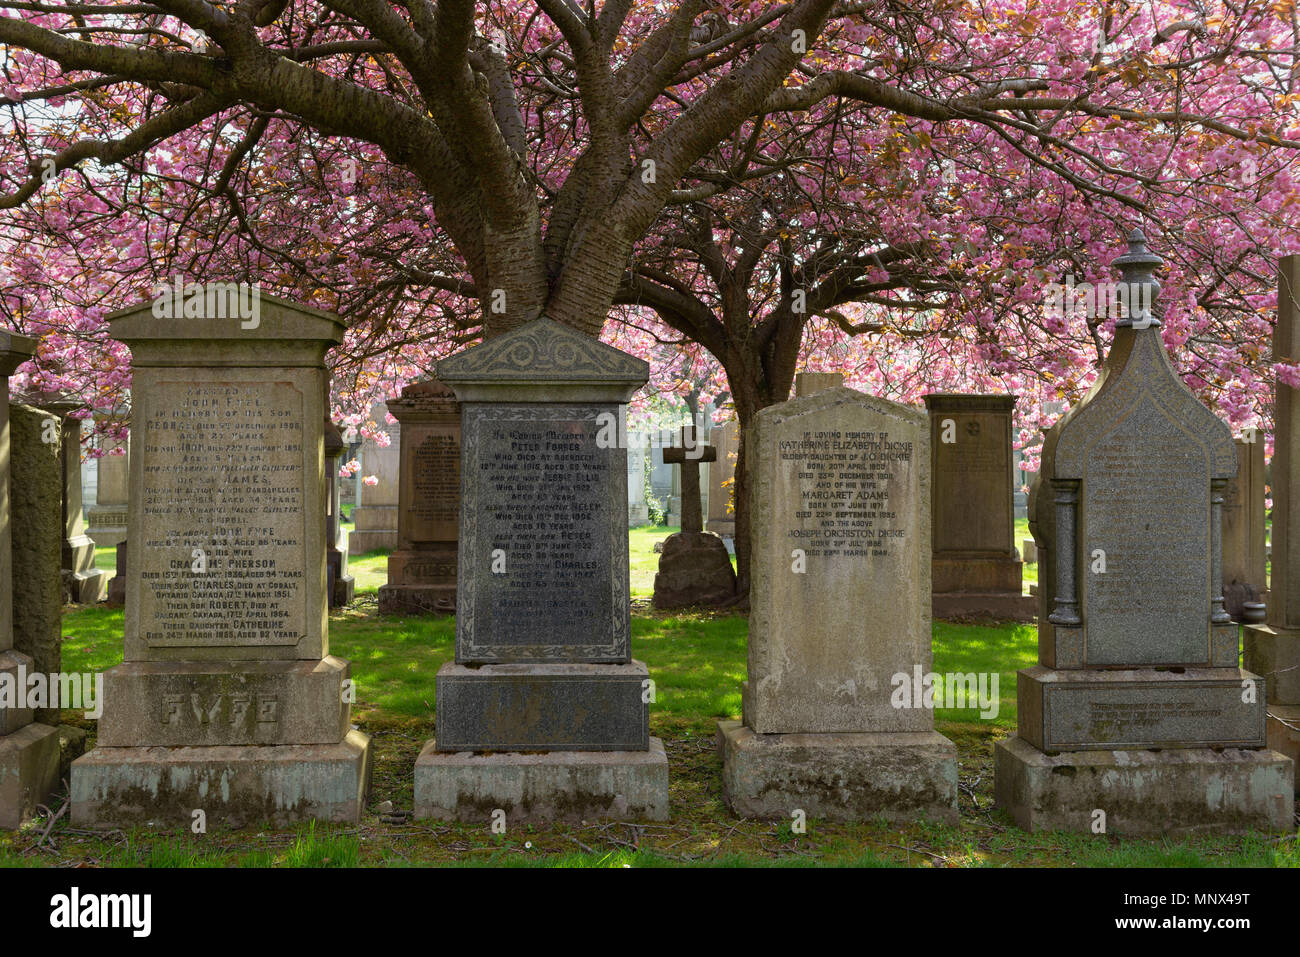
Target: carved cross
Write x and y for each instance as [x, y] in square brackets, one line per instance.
[689, 456]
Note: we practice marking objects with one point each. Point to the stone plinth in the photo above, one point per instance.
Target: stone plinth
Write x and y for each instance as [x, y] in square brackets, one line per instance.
[976, 571]
[543, 787]
[1214, 791]
[422, 569]
[1137, 707]
[838, 777]
[543, 677]
[228, 699]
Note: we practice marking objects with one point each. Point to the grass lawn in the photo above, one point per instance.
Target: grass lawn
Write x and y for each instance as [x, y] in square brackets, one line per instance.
[697, 662]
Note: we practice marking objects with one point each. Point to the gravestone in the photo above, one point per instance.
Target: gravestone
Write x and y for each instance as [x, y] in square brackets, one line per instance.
[1273, 649]
[839, 610]
[1137, 708]
[544, 714]
[638, 513]
[422, 569]
[117, 584]
[106, 519]
[694, 566]
[722, 470]
[83, 583]
[1245, 585]
[374, 517]
[36, 538]
[976, 571]
[341, 586]
[228, 700]
[29, 750]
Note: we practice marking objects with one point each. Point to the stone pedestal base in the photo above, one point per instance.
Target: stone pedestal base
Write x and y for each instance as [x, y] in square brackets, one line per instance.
[373, 526]
[106, 524]
[694, 570]
[29, 772]
[1274, 654]
[975, 573]
[1139, 709]
[838, 777]
[417, 599]
[234, 786]
[1003, 606]
[1187, 791]
[722, 527]
[14, 669]
[1283, 730]
[85, 588]
[223, 704]
[343, 591]
[534, 707]
[555, 786]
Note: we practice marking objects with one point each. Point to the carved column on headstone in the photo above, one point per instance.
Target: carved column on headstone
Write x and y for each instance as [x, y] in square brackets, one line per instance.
[1066, 610]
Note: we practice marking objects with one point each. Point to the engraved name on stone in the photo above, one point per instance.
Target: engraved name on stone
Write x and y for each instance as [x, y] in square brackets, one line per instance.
[546, 484]
[223, 474]
[844, 480]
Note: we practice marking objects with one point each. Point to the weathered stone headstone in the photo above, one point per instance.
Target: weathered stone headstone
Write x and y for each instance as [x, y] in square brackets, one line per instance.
[1137, 708]
[374, 517]
[117, 584]
[341, 585]
[722, 517]
[976, 571]
[694, 567]
[83, 583]
[544, 714]
[422, 569]
[1245, 584]
[839, 609]
[36, 534]
[228, 700]
[106, 519]
[29, 750]
[1273, 649]
[638, 513]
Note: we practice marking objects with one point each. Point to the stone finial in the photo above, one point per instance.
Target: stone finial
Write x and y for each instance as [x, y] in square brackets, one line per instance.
[1137, 274]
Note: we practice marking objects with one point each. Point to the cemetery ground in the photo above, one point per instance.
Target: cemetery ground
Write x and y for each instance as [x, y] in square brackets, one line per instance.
[697, 661]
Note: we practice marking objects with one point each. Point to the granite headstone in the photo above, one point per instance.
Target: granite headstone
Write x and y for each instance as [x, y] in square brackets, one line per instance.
[1138, 707]
[544, 714]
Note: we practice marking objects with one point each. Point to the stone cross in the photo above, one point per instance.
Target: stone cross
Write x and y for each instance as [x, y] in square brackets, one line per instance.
[690, 456]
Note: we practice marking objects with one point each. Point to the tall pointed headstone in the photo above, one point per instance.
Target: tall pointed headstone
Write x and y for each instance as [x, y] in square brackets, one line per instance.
[228, 700]
[1273, 649]
[544, 714]
[1137, 715]
[29, 751]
